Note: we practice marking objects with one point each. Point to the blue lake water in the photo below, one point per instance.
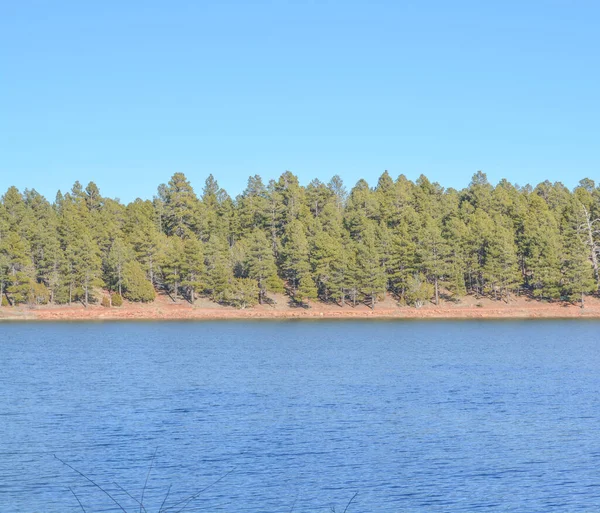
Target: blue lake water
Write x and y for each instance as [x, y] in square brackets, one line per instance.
[299, 416]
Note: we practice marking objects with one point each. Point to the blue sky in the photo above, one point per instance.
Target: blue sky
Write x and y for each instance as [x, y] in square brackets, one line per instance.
[127, 93]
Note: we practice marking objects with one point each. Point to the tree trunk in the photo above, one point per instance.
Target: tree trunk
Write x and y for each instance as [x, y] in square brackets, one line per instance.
[437, 292]
[593, 248]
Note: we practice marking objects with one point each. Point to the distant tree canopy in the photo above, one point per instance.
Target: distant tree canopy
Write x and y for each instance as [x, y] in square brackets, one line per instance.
[415, 241]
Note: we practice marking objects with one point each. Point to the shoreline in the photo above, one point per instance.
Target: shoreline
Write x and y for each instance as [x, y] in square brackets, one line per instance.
[162, 310]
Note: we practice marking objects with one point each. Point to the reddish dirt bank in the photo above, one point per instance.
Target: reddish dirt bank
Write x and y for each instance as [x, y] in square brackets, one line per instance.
[165, 309]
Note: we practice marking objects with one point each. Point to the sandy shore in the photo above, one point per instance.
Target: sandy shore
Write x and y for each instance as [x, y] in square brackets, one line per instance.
[165, 309]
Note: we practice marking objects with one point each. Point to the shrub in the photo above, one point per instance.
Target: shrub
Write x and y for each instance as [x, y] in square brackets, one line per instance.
[116, 300]
[243, 293]
[40, 295]
[418, 290]
[105, 302]
[5, 301]
[136, 286]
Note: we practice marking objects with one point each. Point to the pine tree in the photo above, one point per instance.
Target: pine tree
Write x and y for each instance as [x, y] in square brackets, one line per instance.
[578, 265]
[118, 256]
[260, 262]
[87, 265]
[17, 273]
[143, 234]
[415, 240]
[432, 251]
[172, 265]
[403, 262]
[295, 255]
[578, 273]
[370, 276]
[542, 250]
[136, 285]
[193, 268]
[455, 232]
[181, 206]
[325, 256]
[253, 206]
[219, 273]
[501, 267]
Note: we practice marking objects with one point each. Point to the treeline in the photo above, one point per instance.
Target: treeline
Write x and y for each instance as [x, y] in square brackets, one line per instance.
[414, 240]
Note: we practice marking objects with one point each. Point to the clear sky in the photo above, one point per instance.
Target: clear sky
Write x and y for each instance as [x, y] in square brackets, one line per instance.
[125, 93]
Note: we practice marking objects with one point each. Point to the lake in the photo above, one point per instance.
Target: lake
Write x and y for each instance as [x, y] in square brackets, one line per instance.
[300, 416]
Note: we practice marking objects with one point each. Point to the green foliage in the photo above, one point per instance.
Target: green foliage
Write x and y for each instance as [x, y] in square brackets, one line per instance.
[192, 267]
[413, 240]
[136, 286]
[261, 266]
[116, 300]
[418, 290]
[105, 302]
[219, 273]
[39, 294]
[242, 293]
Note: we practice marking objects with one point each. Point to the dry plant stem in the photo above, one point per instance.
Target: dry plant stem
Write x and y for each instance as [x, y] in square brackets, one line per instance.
[93, 482]
[350, 502]
[129, 495]
[146, 482]
[165, 499]
[75, 495]
[189, 499]
[293, 505]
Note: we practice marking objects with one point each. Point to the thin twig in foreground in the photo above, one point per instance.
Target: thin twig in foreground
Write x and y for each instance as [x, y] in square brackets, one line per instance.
[350, 502]
[165, 499]
[93, 482]
[187, 500]
[129, 495]
[146, 482]
[75, 495]
[293, 504]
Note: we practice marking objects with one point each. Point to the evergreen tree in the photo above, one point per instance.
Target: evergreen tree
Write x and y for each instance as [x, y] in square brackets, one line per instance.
[173, 265]
[416, 240]
[370, 276]
[260, 262]
[143, 233]
[136, 285]
[326, 259]
[501, 267]
[253, 206]
[542, 250]
[295, 255]
[119, 255]
[578, 272]
[193, 268]
[181, 206]
[219, 274]
[87, 265]
[432, 251]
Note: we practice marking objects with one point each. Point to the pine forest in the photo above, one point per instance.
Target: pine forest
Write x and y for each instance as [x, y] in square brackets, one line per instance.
[414, 241]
